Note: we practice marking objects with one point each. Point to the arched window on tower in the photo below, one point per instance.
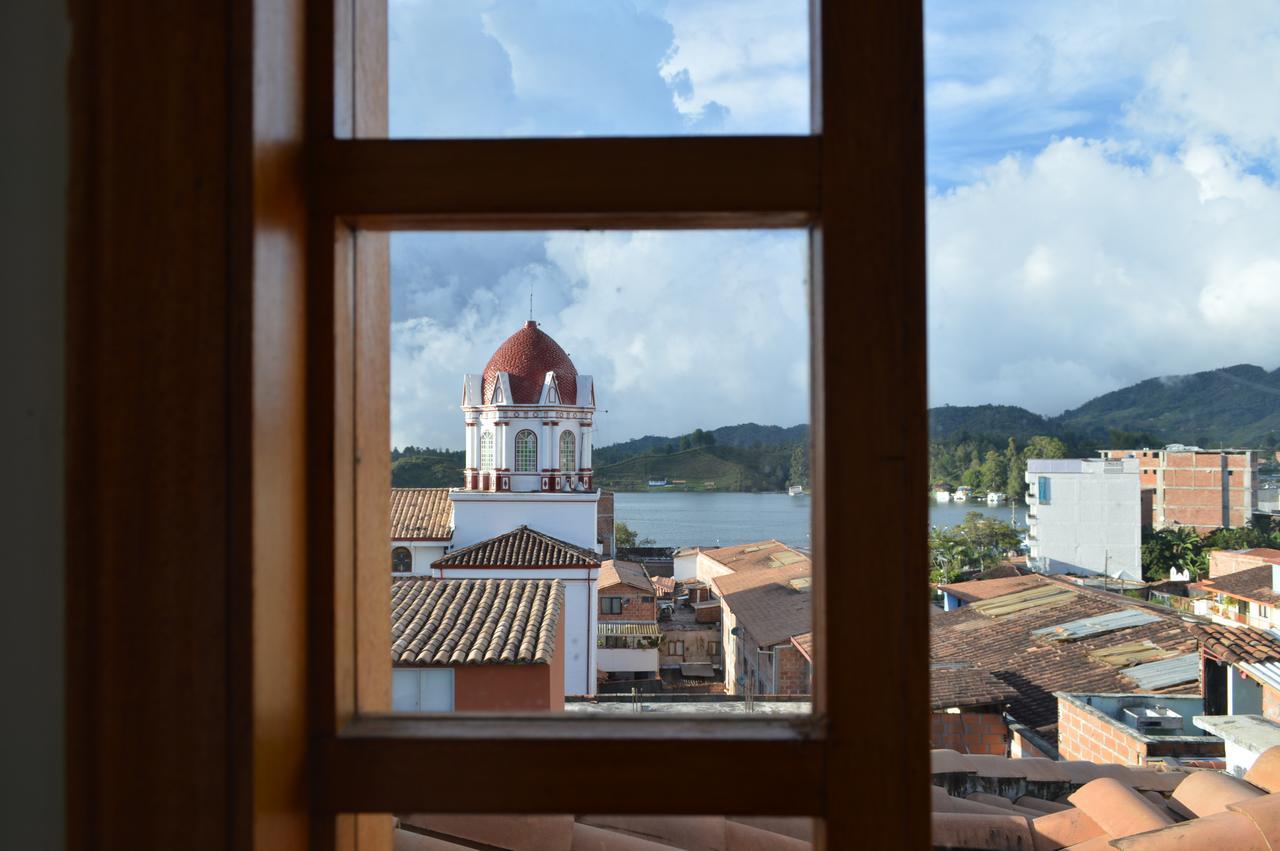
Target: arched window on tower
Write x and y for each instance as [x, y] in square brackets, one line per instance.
[486, 450]
[401, 560]
[568, 453]
[526, 452]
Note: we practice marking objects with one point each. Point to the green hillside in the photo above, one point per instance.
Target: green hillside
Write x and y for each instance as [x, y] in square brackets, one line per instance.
[720, 468]
[427, 468]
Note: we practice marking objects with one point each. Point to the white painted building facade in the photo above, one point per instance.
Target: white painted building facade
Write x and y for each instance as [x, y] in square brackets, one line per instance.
[1085, 516]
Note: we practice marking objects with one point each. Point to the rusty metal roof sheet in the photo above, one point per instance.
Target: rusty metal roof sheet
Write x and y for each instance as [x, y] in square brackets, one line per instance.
[1096, 625]
[1034, 598]
[1166, 672]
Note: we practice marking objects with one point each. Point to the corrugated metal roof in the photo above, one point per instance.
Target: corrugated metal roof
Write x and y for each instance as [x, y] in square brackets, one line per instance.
[1096, 625]
[1166, 672]
[613, 628]
[1130, 653]
[1033, 598]
[1267, 673]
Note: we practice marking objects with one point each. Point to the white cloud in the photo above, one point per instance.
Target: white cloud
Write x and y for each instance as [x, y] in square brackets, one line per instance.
[1062, 276]
[680, 329]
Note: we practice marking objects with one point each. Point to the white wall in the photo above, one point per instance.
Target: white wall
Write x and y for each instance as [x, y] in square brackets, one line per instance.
[424, 553]
[685, 566]
[35, 38]
[708, 569]
[478, 516]
[1093, 520]
[625, 659]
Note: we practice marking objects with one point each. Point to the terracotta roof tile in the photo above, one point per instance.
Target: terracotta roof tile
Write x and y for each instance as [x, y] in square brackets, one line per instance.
[1118, 810]
[1206, 793]
[955, 684]
[1037, 667]
[528, 355]
[985, 589]
[761, 554]
[1237, 644]
[980, 831]
[1224, 831]
[474, 621]
[1264, 812]
[421, 514]
[629, 573]
[664, 585]
[1068, 827]
[1265, 772]
[770, 604]
[804, 643]
[1253, 584]
[521, 547]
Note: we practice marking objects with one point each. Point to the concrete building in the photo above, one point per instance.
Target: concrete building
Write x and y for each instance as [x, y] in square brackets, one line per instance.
[1084, 516]
[477, 645]
[1205, 489]
[1243, 588]
[525, 553]
[628, 636]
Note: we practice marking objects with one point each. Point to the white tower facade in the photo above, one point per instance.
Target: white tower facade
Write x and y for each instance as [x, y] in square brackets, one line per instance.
[528, 463]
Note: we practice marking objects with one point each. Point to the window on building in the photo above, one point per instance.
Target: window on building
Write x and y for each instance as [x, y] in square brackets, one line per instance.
[675, 648]
[401, 560]
[486, 450]
[1242, 607]
[646, 599]
[1042, 490]
[1261, 610]
[713, 648]
[526, 452]
[568, 451]
[610, 605]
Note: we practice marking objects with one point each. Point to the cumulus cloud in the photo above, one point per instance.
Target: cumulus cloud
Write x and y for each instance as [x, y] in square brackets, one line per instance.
[681, 330]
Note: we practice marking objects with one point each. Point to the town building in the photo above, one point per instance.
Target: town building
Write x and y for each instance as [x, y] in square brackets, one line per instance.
[1059, 637]
[761, 611]
[421, 528]
[1205, 489]
[477, 645]
[742, 557]
[691, 656]
[967, 709]
[1084, 516]
[525, 553]
[627, 632]
[1136, 729]
[1243, 588]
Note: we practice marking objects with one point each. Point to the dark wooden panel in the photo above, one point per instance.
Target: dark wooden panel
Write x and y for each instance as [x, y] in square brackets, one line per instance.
[147, 443]
[700, 181]
[572, 764]
[870, 435]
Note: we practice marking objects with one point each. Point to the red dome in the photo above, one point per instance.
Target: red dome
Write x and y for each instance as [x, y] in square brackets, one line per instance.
[528, 355]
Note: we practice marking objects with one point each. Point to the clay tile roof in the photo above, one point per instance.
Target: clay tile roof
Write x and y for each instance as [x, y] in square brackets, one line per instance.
[1117, 809]
[421, 514]
[521, 547]
[761, 554]
[528, 355]
[1208, 792]
[619, 572]
[986, 589]
[1036, 667]
[1253, 584]
[474, 621]
[981, 830]
[1265, 773]
[1237, 644]
[956, 684]
[772, 605]
[664, 585]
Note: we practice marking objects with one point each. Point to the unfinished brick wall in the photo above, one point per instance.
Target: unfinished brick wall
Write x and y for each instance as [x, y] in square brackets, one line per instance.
[969, 732]
[634, 607]
[1271, 704]
[1083, 735]
[793, 670]
[1020, 747]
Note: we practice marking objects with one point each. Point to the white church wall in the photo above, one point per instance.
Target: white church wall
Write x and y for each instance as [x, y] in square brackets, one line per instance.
[571, 517]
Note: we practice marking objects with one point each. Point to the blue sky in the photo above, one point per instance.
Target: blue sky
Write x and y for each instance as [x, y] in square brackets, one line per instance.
[1103, 206]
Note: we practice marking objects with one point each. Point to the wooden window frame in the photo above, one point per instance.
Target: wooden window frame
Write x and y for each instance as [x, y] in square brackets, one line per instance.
[857, 183]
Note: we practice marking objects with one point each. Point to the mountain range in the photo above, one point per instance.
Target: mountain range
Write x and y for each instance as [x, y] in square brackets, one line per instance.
[1235, 406]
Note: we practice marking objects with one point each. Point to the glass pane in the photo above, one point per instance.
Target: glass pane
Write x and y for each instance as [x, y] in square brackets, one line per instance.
[600, 451]
[502, 68]
[1103, 275]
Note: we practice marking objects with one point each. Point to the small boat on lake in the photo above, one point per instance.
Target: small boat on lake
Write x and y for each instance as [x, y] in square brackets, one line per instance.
[795, 490]
[962, 494]
[995, 498]
[942, 495]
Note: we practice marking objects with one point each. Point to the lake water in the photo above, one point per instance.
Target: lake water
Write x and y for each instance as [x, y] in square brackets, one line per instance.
[678, 519]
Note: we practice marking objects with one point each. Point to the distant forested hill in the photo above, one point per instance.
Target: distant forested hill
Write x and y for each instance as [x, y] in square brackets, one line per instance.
[1235, 406]
[423, 467]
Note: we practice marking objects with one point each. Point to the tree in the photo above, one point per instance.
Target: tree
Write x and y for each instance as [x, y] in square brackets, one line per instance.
[1015, 485]
[976, 543]
[624, 537]
[994, 473]
[799, 466]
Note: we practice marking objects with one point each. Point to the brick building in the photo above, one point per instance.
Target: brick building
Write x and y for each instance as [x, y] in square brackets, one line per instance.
[628, 636]
[967, 709]
[477, 645]
[1104, 728]
[1243, 588]
[1205, 489]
